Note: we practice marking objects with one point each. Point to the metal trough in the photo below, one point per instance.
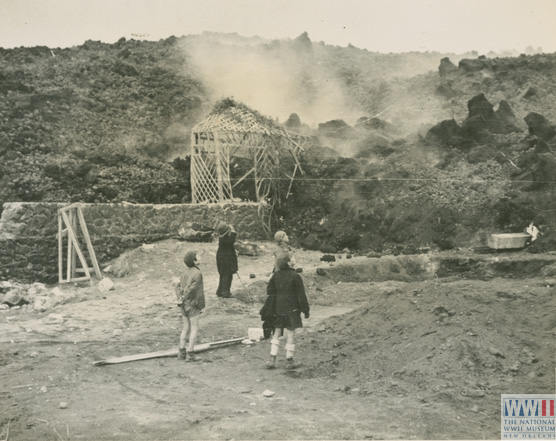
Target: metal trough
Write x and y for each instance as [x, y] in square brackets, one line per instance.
[508, 241]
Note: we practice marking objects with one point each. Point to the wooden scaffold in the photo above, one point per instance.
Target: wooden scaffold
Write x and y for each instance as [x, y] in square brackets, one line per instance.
[72, 226]
[233, 128]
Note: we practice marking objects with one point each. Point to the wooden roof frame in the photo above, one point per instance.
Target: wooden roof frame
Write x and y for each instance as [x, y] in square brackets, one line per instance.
[232, 126]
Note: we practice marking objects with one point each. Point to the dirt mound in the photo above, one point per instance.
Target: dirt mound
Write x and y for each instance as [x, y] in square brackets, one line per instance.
[364, 269]
[456, 343]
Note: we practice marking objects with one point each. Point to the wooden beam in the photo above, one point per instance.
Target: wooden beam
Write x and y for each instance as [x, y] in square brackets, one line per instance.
[60, 251]
[89, 243]
[68, 221]
[69, 207]
[219, 173]
[167, 353]
[77, 279]
[244, 176]
[82, 270]
[74, 225]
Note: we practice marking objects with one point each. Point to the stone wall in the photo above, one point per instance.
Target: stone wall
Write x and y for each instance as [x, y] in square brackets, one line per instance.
[28, 231]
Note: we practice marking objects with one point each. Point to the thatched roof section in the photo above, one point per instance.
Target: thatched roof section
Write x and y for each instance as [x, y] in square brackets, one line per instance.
[231, 116]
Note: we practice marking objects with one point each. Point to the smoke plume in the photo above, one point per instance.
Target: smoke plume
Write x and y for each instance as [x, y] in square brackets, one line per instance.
[274, 78]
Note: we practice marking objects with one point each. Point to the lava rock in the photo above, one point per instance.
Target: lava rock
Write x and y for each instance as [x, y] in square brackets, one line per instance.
[14, 297]
[540, 126]
[328, 258]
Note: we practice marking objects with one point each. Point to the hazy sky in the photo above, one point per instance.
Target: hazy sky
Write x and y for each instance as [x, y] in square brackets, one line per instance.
[377, 25]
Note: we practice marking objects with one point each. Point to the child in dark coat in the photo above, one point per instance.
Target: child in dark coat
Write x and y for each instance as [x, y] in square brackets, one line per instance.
[191, 301]
[226, 258]
[287, 300]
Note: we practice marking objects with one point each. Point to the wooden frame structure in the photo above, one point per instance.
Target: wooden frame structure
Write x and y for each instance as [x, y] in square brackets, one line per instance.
[233, 128]
[70, 220]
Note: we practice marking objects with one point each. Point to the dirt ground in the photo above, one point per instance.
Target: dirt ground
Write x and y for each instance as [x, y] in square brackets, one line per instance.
[404, 357]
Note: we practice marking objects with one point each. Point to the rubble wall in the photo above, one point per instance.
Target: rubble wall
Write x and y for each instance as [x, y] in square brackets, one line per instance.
[28, 231]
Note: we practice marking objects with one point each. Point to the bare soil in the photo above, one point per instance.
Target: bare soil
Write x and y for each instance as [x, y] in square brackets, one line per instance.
[403, 357]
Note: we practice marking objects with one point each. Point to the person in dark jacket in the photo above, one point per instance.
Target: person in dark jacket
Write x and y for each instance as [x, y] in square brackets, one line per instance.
[286, 288]
[226, 258]
[191, 301]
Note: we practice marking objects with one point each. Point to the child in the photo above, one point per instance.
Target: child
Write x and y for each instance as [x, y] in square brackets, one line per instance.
[191, 301]
[286, 286]
[226, 258]
[281, 241]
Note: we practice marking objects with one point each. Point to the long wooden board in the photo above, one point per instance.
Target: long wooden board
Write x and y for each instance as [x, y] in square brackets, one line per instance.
[167, 353]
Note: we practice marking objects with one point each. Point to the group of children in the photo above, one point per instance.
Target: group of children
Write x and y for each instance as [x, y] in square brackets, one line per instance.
[286, 299]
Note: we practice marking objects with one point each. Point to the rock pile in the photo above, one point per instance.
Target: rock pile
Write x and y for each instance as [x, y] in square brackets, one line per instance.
[36, 296]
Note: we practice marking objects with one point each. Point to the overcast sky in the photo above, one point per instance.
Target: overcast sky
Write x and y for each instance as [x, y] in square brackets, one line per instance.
[377, 25]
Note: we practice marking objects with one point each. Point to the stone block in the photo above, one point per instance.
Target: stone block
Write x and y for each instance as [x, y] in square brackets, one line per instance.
[247, 249]
[105, 285]
[14, 297]
[191, 235]
[42, 303]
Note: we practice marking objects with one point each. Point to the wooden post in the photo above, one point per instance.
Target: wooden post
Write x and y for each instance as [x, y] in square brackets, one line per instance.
[60, 250]
[68, 222]
[74, 225]
[256, 175]
[219, 174]
[193, 172]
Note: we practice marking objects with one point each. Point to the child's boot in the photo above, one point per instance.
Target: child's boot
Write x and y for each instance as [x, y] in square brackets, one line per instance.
[182, 354]
[191, 357]
[271, 363]
[291, 364]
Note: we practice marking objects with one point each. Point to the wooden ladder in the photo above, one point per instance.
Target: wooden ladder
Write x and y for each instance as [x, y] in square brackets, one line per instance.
[70, 219]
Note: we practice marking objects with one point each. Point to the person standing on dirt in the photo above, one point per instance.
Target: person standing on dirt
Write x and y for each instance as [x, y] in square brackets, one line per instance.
[282, 245]
[191, 301]
[290, 300]
[226, 258]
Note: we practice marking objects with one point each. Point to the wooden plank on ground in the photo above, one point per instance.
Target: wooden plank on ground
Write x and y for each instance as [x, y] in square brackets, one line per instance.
[167, 353]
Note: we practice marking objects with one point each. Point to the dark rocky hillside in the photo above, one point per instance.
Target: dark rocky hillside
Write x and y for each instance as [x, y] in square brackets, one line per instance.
[408, 151]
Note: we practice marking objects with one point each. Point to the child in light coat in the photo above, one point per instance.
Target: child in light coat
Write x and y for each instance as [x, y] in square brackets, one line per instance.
[191, 301]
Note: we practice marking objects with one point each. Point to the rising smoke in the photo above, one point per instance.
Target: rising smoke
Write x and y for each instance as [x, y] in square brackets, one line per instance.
[274, 78]
[319, 83]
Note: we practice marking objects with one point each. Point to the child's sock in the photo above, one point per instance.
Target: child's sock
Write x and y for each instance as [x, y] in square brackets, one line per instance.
[274, 346]
[290, 349]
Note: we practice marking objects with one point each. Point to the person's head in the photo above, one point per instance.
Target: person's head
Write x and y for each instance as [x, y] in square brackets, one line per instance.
[281, 237]
[192, 259]
[222, 229]
[283, 260]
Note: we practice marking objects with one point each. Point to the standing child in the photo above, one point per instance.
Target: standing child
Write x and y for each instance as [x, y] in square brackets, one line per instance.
[191, 301]
[289, 302]
[226, 258]
[282, 244]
